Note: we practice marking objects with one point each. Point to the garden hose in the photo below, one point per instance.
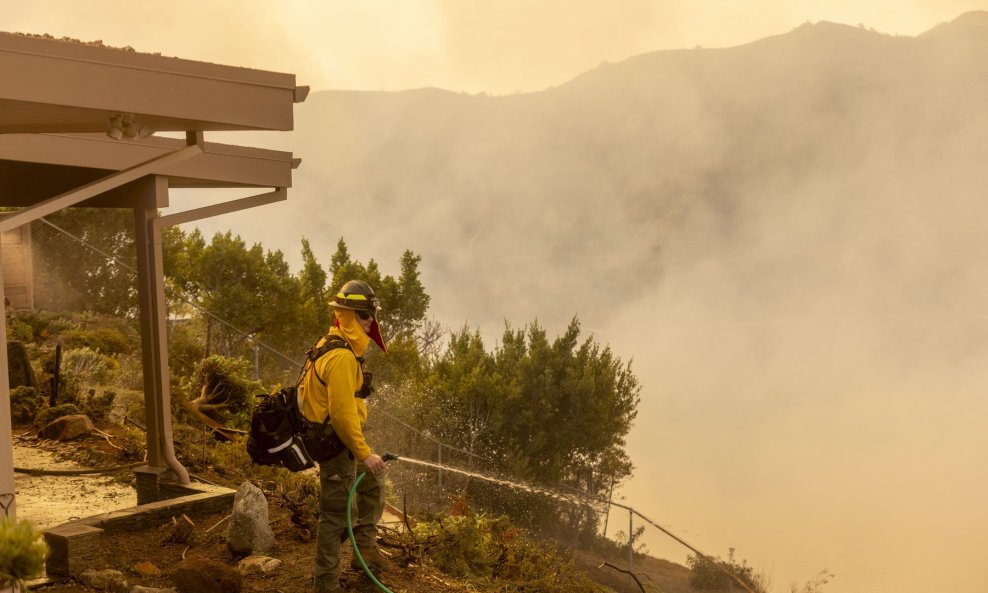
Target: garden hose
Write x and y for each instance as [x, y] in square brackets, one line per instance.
[349, 527]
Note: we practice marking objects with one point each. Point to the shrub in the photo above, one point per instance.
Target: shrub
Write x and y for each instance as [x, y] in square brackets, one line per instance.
[226, 393]
[713, 574]
[88, 365]
[48, 414]
[130, 372]
[98, 407]
[22, 552]
[21, 331]
[468, 545]
[102, 339]
[24, 404]
[133, 443]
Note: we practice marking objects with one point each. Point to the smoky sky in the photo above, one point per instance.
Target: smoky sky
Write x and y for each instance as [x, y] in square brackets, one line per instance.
[499, 48]
[785, 239]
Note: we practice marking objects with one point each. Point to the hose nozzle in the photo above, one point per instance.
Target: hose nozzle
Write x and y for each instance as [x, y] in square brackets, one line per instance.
[389, 457]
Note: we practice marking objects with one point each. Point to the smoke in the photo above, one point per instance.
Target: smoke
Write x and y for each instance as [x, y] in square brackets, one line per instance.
[786, 239]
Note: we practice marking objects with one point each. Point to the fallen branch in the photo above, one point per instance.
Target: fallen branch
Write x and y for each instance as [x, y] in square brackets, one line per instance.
[223, 431]
[106, 436]
[181, 531]
[218, 523]
[627, 572]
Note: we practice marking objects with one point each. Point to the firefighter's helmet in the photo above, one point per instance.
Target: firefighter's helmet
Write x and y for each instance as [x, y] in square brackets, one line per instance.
[358, 296]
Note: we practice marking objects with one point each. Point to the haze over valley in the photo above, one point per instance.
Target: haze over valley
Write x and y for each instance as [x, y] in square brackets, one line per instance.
[785, 236]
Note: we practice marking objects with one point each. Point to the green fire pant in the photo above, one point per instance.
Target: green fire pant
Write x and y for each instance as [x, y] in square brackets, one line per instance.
[336, 477]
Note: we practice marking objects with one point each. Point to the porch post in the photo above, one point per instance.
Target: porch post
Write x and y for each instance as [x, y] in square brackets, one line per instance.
[154, 330]
[7, 499]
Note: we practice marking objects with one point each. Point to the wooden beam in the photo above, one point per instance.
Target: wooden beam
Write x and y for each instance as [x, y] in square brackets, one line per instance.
[277, 195]
[95, 188]
[58, 86]
[76, 156]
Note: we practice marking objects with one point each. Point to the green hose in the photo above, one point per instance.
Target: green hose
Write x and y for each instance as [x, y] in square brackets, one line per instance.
[353, 541]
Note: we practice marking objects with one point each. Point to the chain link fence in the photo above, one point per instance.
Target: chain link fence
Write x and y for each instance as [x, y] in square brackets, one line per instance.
[616, 543]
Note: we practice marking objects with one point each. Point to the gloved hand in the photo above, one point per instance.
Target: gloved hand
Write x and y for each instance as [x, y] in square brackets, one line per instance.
[374, 463]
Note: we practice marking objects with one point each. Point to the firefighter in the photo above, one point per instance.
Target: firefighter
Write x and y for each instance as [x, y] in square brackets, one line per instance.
[334, 386]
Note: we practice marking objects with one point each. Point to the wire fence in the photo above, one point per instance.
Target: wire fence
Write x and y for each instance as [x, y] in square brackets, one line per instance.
[436, 476]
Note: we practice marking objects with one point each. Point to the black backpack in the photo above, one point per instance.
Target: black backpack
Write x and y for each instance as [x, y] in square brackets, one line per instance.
[280, 436]
[274, 437]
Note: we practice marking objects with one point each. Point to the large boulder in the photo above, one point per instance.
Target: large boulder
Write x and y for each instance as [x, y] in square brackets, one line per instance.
[248, 530]
[68, 428]
[202, 575]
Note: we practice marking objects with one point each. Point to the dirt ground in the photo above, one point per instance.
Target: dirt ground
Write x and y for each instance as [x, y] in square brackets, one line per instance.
[144, 558]
[125, 551]
[49, 501]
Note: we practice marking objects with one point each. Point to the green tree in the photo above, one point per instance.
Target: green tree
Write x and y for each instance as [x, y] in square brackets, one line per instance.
[548, 411]
[251, 293]
[314, 307]
[71, 276]
[404, 307]
[571, 406]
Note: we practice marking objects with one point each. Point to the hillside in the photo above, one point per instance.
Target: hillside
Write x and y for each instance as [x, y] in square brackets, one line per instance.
[632, 169]
[786, 236]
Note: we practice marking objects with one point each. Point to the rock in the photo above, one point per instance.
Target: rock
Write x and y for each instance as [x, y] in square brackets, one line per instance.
[258, 565]
[105, 580]
[202, 575]
[249, 530]
[68, 428]
[147, 569]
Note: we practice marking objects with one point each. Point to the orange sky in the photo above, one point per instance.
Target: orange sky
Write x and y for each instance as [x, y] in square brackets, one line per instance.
[496, 47]
[839, 511]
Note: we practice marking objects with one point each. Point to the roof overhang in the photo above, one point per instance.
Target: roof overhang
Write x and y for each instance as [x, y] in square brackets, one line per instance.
[59, 86]
[35, 166]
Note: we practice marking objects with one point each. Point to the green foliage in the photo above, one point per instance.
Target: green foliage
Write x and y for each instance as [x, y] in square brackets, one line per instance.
[404, 301]
[105, 340]
[20, 330]
[88, 365]
[132, 441]
[24, 404]
[48, 414]
[98, 406]
[225, 390]
[467, 545]
[186, 347]
[547, 411]
[22, 552]
[246, 287]
[130, 373]
[714, 574]
[71, 277]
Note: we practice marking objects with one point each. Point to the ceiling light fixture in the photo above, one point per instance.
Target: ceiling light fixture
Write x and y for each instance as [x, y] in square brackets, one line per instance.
[125, 125]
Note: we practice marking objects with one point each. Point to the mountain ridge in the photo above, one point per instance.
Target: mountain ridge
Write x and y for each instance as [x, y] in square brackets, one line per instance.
[636, 167]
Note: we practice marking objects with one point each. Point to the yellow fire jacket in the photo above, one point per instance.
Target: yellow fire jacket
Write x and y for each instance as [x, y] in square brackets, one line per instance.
[341, 372]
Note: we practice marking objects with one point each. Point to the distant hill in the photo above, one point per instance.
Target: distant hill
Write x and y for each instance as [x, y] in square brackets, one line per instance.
[829, 154]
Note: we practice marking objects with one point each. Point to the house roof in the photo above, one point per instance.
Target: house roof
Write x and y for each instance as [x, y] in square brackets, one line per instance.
[61, 99]
[57, 86]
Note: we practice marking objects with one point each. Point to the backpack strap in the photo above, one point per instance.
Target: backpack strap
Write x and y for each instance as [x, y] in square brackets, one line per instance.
[332, 342]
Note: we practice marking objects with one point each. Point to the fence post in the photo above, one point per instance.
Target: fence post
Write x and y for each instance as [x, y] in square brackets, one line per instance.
[257, 361]
[631, 530]
[440, 467]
